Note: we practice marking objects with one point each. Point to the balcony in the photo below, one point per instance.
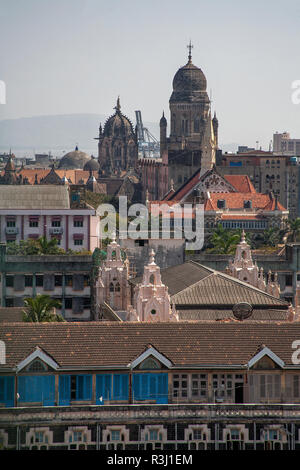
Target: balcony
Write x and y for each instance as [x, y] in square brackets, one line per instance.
[11, 230]
[56, 230]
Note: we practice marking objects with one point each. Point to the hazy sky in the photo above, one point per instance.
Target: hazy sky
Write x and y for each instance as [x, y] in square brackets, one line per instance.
[77, 56]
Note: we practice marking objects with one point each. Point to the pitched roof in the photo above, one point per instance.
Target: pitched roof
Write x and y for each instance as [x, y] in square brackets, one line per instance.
[192, 284]
[236, 201]
[213, 315]
[34, 197]
[73, 176]
[100, 344]
[241, 183]
[180, 276]
[221, 289]
[11, 314]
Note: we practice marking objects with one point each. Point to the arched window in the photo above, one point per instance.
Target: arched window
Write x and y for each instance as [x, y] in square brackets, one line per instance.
[117, 287]
[151, 280]
[111, 287]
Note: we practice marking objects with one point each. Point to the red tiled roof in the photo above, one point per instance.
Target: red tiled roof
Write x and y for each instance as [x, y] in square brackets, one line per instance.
[241, 183]
[73, 175]
[240, 217]
[236, 201]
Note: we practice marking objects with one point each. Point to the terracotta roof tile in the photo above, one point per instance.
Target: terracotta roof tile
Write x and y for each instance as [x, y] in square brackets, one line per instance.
[100, 344]
[241, 183]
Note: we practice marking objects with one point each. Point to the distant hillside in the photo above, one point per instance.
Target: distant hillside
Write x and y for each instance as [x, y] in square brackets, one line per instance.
[58, 133]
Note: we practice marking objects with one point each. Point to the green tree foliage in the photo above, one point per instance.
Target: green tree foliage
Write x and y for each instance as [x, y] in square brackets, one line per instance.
[224, 241]
[41, 309]
[293, 231]
[41, 246]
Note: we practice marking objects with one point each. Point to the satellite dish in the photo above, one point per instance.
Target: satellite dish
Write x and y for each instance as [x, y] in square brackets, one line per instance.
[242, 310]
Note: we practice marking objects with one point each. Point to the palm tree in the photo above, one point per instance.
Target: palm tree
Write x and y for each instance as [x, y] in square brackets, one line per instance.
[48, 247]
[224, 241]
[294, 229]
[41, 309]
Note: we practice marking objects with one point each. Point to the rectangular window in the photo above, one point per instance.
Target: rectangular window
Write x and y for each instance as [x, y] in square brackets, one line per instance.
[115, 435]
[28, 281]
[86, 302]
[55, 223]
[77, 436]
[199, 385]
[68, 303]
[197, 433]
[9, 281]
[180, 385]
[58, 280]
[78, 242]
[11, 223]
[153, 435]
[78, 223]
[39, 280]
[289, 280]
[69, 281]
[86, 280]
[9, 302]
[33, 223]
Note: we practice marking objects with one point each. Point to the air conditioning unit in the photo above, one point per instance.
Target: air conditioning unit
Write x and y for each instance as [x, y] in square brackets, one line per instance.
[11, 230]
[56, 230]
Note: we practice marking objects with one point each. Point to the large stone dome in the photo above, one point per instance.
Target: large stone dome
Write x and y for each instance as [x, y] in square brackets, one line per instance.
[118, 125]
[74, 160]
[189, 83]
[92, 164]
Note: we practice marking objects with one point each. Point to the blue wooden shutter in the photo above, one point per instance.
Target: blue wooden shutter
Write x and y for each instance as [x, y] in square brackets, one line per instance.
[37, 389]
[162, 388]
[64, 389]
[120, 386]
[84, 387]
[7, 389]
[103, 388]
[151, 386]
[136, 387]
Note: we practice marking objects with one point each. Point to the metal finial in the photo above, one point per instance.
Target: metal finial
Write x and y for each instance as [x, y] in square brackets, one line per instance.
[190, 47]
[118, 107]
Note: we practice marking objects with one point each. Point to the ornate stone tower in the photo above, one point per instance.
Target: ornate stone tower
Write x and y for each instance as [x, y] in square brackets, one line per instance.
[244, 269]
[117, 147]
[151, 297]
[189, 107]
[112, 284]
[193, 134]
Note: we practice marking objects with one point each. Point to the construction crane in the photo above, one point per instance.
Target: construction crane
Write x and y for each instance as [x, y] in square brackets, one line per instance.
[148, 144]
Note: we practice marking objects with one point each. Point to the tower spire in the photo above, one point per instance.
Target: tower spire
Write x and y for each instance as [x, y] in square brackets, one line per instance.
[118, 107]
[190, 47]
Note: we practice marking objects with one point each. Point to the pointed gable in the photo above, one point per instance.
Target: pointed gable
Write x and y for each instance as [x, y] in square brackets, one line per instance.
[38, 353]
[263, 352]
[150, 352]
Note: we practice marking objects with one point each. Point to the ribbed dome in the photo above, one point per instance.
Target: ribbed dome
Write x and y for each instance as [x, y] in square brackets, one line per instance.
[189, 83]
[118, 124]
[92, 164]
[74, 160]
